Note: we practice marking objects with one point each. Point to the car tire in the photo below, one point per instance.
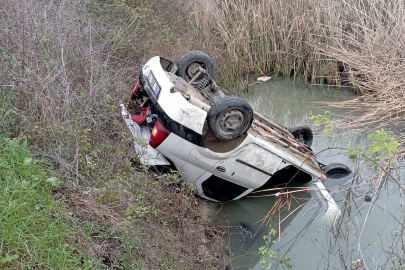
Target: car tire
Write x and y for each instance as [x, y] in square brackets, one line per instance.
[302, 133]
[336, 170]
[188, 67]
[229, 118]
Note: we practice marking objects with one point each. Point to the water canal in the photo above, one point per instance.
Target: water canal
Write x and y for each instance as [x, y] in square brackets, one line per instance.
[367, 235]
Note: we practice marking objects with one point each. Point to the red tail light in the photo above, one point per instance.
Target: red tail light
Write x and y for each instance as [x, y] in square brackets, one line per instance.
[135, 88]
[159, 134]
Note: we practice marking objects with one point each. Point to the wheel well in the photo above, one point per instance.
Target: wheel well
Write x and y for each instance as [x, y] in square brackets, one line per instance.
[287, 175]
[220, 189]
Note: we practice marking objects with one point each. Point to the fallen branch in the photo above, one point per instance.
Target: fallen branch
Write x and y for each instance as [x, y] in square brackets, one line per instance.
[63, 164]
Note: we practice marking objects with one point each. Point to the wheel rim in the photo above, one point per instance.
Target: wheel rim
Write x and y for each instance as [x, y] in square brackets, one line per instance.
[232, 122]
[193, 69]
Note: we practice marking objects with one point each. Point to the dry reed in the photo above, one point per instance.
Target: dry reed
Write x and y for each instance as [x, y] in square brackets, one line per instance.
[324, 41]
[270, 36]
[371, 49]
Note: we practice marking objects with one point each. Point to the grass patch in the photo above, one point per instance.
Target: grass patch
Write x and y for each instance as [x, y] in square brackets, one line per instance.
[130, 219]
[34, 232]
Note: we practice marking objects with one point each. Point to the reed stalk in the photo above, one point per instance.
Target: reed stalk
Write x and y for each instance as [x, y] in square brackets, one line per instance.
[320, 41]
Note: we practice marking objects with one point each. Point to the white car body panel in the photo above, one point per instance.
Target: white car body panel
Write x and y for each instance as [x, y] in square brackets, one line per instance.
[174, 105]
[249, 165]
[186, 153]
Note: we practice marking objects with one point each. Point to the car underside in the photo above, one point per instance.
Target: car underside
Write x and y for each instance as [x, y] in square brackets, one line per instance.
[215, 140]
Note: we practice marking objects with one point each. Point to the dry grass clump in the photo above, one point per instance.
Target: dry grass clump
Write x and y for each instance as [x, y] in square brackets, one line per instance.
[173, 229]
[64, 86]
[270, 36]
[372, 50]
[361, 41]
[66, 65]
[155, 218]
[151, 222]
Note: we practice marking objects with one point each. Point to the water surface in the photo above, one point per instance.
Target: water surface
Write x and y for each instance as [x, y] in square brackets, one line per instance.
[365, 231]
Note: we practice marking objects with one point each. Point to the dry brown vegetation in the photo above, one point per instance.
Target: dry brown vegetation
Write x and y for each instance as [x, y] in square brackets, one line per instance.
[65, 67]
[270, 36]
[321, 41]
[372, 49]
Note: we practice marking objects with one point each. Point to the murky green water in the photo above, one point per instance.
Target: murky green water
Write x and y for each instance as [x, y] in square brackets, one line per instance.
[368, 231]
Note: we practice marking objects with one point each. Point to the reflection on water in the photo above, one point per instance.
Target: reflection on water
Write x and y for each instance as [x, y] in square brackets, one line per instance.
[364, 231]
[289, 104]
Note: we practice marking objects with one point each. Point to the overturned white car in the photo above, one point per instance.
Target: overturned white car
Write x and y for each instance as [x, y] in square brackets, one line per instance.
[215, 140]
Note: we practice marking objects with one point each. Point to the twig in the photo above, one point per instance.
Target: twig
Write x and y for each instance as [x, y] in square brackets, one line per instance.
[219, 210]
[399, 184]
[65, 165]
[330, 148]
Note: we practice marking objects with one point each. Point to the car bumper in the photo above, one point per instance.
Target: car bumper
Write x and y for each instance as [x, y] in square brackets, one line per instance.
[141, 133]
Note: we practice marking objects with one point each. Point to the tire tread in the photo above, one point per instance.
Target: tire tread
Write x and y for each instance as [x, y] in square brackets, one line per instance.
[333, 167]
[223, 104]
[186, 59]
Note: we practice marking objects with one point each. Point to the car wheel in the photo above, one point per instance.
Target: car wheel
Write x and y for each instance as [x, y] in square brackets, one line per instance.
[336, 170]
[188, 66]
[302, 133]
[229, 118]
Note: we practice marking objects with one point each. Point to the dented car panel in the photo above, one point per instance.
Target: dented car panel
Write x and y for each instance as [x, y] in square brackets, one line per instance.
[147, 155]
[220, 170]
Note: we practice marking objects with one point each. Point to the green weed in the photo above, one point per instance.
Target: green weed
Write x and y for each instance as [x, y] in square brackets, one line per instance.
[383, 149]
[34, 232]
[268, 254]
[323, 120]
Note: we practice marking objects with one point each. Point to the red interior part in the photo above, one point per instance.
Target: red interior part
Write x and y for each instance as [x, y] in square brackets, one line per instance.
[139, 118]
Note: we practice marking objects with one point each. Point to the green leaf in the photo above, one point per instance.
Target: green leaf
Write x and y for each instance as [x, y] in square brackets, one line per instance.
[54, 181]
[27, 161]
